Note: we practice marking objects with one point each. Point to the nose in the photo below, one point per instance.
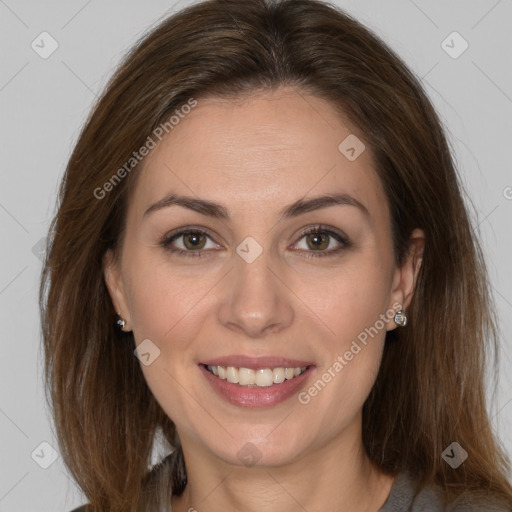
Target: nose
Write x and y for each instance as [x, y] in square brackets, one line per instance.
[255, 299]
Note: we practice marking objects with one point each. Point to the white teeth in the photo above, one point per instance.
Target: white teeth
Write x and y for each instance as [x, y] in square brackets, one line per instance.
[246, 377]
[232, 374]
[278, 375]
[263, 377]
[289, 373]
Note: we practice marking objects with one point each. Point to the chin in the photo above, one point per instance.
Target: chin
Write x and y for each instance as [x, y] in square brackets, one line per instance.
[261, 447]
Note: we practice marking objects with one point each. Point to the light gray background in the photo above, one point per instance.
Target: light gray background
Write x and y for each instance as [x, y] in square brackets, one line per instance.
[43, 103]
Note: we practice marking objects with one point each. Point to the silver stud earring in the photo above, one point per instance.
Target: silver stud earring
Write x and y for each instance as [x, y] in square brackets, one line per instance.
[401, 318]
[121, 322]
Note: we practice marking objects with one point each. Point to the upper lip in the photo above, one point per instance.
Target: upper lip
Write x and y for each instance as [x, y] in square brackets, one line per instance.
[255, 363]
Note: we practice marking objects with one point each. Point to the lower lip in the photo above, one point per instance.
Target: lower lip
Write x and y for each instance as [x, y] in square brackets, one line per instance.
[245, 396]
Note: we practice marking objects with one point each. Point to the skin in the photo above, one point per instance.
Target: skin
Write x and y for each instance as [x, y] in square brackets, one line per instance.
[255, 156]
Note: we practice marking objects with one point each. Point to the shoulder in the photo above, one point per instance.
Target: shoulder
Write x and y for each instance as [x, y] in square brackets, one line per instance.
[480, 506]
[83, 508]
[403, 498]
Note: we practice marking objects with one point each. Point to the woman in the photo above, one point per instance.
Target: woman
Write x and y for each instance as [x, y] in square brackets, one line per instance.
[262, 254]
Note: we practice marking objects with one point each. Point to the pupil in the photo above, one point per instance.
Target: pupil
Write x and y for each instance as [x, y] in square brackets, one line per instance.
[193, 240]
[318, 240]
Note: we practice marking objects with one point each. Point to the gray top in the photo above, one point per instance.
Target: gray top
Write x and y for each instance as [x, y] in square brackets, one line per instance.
[401, 499]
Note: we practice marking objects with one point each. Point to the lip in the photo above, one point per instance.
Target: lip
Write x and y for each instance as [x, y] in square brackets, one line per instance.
[256, 397]
[255, 363]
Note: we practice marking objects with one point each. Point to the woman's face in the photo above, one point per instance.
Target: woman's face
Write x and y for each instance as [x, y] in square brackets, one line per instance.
[227, 278]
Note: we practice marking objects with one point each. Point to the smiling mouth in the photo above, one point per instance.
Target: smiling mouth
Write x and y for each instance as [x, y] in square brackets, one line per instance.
[262, 377]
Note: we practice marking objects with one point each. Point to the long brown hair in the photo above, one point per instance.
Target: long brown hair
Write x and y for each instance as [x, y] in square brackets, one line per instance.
[430, 389]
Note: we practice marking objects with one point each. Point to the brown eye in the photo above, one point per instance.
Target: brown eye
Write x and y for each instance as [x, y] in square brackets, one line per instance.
[189, 242]
[320, 241]
[194, 240]
[317, 241]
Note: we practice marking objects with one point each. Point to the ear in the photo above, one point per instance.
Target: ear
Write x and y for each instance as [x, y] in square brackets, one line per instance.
[115, 285]
[405, 277]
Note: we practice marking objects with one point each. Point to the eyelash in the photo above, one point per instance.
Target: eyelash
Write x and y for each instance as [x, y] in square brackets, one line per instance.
[165, 243]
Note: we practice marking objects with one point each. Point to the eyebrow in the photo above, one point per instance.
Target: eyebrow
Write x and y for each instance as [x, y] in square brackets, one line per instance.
[299, 207]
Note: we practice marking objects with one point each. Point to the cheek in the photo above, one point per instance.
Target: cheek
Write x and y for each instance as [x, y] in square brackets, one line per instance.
[352, 307]
[169, 311]
[168, 306]
[164, 301]
[348, 297]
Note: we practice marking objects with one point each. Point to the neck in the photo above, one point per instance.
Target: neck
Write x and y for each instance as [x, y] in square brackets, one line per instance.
[337, 476]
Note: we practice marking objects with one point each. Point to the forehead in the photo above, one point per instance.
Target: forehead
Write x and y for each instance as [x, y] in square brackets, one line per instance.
[262, 151]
